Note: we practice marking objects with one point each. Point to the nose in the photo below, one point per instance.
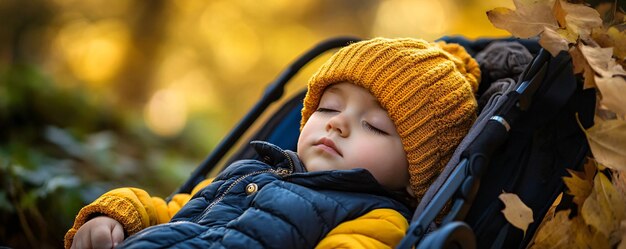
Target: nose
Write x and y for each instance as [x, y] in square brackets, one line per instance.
[338, 123]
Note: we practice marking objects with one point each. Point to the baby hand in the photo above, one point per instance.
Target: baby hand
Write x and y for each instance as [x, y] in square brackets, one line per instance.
[99, 232]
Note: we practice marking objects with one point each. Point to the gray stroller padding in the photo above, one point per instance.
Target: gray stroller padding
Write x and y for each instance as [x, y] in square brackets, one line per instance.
[505, 59]
[498, 91]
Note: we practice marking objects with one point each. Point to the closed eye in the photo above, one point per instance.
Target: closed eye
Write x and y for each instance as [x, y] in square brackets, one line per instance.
[321, 109]
[372, 128]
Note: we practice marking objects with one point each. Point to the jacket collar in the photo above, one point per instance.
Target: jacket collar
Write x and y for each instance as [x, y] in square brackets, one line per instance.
[277, 157]
[356, 180]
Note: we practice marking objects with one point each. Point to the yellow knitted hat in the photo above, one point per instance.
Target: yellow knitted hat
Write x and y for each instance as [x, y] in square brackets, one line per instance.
[426, 88]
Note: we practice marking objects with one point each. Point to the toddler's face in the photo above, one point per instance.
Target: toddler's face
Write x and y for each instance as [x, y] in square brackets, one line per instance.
[351, 130]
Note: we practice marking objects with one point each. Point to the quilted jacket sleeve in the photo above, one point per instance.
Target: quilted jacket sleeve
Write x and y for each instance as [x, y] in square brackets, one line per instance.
[380, 228]
[132, 207]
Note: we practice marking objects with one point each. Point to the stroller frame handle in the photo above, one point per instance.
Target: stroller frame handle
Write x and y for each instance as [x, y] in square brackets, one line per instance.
[462, 185]
[273, 92]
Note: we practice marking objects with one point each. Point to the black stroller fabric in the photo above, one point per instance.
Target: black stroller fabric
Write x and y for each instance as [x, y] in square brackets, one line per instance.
[544, 142]
[541, 144]
[503, 61]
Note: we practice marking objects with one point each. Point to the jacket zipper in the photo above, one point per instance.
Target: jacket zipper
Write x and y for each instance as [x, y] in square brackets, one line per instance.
[280, 172]
[291, 165]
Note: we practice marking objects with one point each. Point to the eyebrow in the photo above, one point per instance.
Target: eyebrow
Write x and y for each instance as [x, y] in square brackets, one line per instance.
[333, 88]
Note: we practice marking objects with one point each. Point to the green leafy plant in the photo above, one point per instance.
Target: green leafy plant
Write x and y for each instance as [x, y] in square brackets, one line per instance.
[60, 149]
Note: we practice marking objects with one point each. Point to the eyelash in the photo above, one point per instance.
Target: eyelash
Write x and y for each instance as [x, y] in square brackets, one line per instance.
[373, 129]
[365, 124]
[324, 110]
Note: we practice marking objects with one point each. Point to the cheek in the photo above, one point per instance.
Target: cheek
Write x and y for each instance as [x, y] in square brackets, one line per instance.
[307, 134]
[301, 139]
[368, 154]
[385, 159]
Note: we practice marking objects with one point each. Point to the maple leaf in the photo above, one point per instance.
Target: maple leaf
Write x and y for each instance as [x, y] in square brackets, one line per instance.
[587, 237]
[599, 53]
[609, 77]
[597, 57]
[604, 209]
[553, 41]
[577, 18]
[516, 212]
[550, 215]
[612, 90]
[527, 20]
[607, 139]
[555, 233]
[580, 184]
[590, 168]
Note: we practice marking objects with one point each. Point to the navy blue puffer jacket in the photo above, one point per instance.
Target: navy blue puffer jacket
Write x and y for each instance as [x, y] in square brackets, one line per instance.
[271, 203]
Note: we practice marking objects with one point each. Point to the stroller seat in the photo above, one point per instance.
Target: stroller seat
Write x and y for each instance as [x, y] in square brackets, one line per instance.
[524, 139]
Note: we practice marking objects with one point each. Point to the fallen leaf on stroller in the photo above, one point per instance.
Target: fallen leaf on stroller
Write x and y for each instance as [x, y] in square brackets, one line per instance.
[516, 212]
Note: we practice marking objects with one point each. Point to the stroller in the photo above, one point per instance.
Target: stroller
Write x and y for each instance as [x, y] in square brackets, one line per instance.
[527, 134]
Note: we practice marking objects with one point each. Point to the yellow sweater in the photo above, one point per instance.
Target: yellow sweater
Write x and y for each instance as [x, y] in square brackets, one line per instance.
[136, 210]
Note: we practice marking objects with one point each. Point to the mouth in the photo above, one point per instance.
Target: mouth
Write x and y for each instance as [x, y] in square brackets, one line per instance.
[328, 145]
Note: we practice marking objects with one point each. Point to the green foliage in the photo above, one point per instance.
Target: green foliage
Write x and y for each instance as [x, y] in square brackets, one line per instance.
[60, 149]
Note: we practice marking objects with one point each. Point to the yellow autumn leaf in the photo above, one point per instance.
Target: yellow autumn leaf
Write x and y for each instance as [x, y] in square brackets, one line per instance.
[587, 237]
[616, 69]
[589, 78]
[590, 168]
[619, 181]
[607, 139]
[613, 93]
[599, 240]
[516, 212]
[622, 245]
[597, 57]
[553, 41]
[577, 18]
[619, 42]
[527, 20]
[559, 13]
[550, 215]
[555, 233]
[604, 209]
[581, 66]
[578, 60]
[569, 36]
[600, 36]
[609, 77]
[578, 186]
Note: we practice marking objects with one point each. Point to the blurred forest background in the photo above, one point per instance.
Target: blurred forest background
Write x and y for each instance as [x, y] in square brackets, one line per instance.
[102, 94]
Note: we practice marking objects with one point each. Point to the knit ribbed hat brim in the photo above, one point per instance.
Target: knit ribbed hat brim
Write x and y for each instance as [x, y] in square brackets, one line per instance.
[427, 92]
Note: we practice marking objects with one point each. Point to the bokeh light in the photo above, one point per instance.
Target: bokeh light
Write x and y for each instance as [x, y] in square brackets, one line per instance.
[166, 112]
[413, 18]
[219, 54]
[232, 40]
[94, 51]
[157, 84]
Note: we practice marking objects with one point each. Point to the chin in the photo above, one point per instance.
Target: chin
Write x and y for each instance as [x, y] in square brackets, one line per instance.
[319, 166]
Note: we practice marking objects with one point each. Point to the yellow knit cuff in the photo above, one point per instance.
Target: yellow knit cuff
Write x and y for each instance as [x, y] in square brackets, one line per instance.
[118, 208]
